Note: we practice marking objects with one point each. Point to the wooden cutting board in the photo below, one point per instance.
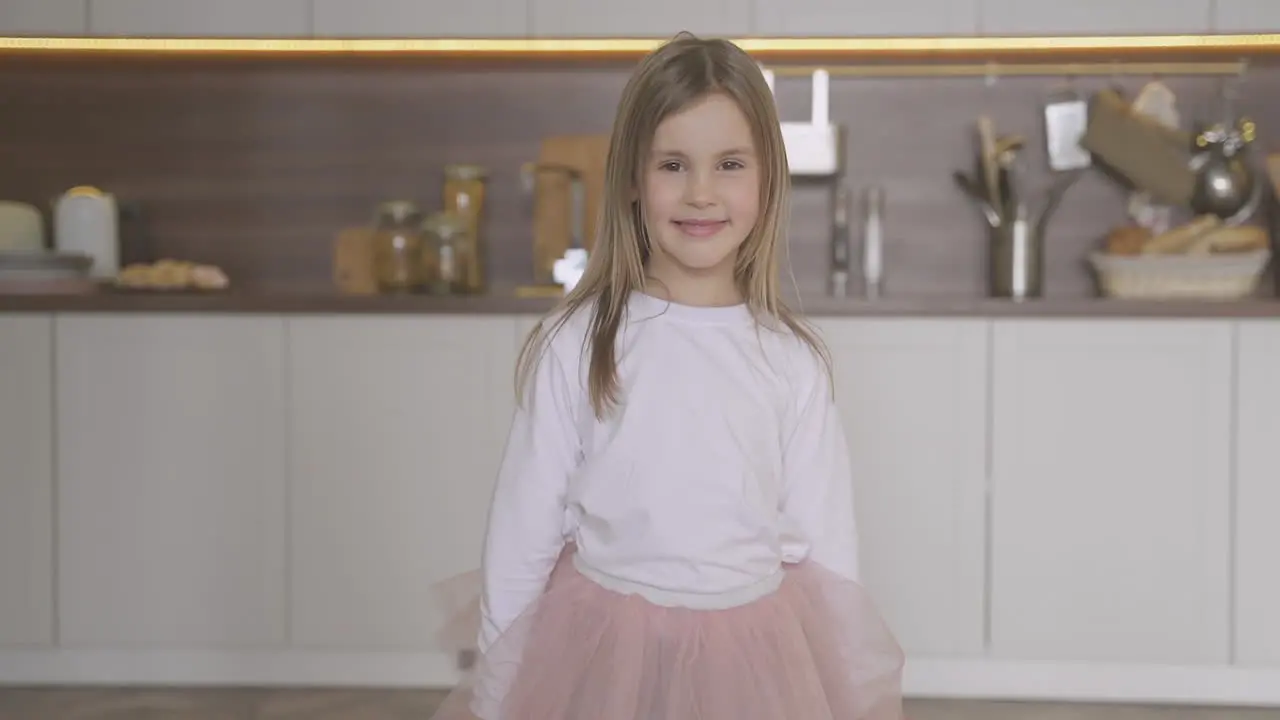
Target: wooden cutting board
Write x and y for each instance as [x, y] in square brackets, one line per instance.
[551, 226]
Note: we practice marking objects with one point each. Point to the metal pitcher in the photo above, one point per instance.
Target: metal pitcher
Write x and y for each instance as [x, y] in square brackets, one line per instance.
[1226, 185]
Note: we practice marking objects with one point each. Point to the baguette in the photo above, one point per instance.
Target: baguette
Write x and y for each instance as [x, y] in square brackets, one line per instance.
[1180, 239]
[1241, 238]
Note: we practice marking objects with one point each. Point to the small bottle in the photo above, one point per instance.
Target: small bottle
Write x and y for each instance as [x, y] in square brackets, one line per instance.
[873, 242]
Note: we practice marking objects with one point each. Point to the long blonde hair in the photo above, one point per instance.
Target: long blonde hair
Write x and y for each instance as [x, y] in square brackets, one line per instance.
[669, 79]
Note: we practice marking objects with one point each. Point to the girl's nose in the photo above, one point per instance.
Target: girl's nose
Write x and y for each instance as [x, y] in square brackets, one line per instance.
[699, 190]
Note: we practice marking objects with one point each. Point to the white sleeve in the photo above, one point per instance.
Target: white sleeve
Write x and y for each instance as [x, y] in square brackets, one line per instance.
[817, 501]
[524, 536]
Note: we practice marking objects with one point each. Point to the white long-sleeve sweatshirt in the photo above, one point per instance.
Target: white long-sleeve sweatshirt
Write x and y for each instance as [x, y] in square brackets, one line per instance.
[725, 459]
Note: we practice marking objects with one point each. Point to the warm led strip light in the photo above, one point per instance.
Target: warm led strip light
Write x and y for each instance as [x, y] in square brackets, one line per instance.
[766, 48]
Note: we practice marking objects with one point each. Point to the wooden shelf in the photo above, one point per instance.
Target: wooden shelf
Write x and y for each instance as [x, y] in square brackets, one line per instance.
[1102, 49]
[509, 303]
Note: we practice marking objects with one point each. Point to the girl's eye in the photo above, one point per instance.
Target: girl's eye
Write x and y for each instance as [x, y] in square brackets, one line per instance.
[732, 165]
[670, 166]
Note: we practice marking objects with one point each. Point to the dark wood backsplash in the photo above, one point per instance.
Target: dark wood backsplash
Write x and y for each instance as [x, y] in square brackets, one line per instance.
[255, 165]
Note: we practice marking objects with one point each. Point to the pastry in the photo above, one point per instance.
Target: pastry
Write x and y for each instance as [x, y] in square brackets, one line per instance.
[1127, 240]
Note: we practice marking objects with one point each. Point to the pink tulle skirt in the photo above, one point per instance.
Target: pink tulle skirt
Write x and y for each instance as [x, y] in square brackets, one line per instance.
[814, 649]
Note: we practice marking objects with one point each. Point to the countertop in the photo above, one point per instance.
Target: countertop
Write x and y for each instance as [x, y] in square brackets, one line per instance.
[499, 303]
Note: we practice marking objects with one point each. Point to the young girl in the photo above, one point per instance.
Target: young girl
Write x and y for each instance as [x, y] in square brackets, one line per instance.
[672, 532]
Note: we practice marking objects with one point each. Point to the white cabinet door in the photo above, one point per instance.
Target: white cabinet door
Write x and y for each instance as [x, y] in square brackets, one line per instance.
[397, 425]
[1246, 16]
[26, 479]
[420, 18]
[43, 17]
[200, 18]
[1258, 493]
[621, 18]
[1094, 17]
[171, 480]
[863, 18]
[1111, 492]
[913, 396]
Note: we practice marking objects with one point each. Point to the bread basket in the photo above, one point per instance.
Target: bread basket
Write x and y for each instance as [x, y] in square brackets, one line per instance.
[1218, 276]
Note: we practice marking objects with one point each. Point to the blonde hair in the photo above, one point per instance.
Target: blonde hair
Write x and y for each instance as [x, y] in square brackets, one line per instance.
[673, 76]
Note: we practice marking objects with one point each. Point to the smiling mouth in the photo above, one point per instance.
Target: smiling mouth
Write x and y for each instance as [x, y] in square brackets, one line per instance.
[701, 228]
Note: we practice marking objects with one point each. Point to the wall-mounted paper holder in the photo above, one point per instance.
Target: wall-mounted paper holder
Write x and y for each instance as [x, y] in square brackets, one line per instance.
[815, 148]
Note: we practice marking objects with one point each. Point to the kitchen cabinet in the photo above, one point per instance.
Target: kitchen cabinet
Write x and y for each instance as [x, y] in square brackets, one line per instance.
[1257, 494]
[26, 480]
[420, 18]
[1246, 16]
[58, 18]
[656, 18]
[1048, 508]
[913, 396]
[397, 425]
[171, 480]
[1111, 458]
[200, 18]
[1094, 17]
[864, 18]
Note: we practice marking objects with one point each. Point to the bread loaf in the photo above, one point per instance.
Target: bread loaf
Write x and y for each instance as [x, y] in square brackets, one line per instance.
[1180, 239]
[1238, 238]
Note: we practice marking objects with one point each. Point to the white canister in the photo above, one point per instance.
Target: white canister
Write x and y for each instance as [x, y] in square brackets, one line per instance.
[86, 221]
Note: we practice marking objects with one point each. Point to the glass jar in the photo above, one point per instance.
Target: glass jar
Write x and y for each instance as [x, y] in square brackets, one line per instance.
[449, 253]
[397, 245]
[464, 196]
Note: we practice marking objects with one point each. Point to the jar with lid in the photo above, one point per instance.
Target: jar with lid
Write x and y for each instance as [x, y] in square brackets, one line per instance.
[397, 245]
[448, 253]
[464, 196]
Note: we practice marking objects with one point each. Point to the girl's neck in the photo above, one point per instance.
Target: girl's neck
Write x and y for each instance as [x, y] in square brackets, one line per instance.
[695, 292]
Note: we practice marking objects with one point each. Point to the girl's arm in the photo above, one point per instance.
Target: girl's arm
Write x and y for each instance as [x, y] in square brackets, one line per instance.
[525, 537]
[817, 499]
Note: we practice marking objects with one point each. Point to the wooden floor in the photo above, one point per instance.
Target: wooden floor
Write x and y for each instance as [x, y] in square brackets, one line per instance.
[201, 704]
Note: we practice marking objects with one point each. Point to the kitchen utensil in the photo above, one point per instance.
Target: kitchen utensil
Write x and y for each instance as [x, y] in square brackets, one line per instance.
[21, 227]
[87, 221]
[1066, 116]
[1053, 198]
[815, 148]
[553, 224]
[987, 161]
[873, 242]
[1150, 156]
[1158, 102]
[971, 188]
[1017, 240]
[1017, 258]
[840, 201]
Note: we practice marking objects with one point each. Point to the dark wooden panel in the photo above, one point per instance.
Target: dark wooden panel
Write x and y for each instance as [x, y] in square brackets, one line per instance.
[254, 165]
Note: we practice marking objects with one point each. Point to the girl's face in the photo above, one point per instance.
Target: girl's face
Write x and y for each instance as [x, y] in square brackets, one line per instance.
[700, 188]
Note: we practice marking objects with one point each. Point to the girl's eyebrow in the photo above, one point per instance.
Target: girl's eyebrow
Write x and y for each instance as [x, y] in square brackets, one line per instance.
[725, 153]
